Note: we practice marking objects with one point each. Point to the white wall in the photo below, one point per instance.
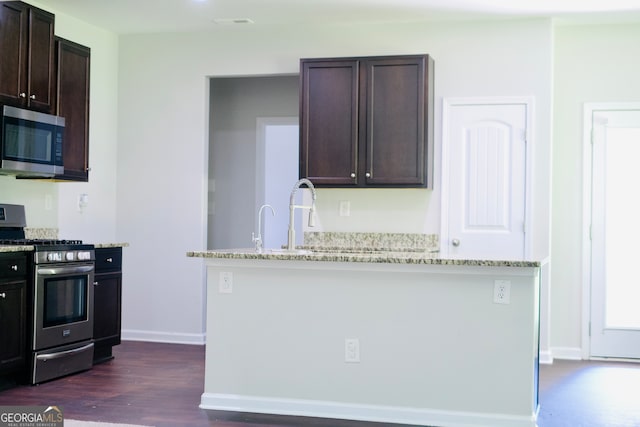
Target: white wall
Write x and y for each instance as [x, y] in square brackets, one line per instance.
[163, 135]
[149, 180]
[592, 64]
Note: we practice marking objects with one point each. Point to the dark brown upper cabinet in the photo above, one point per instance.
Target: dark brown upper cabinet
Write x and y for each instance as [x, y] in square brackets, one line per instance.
[72, 103]
[367, 121]
[27, 50]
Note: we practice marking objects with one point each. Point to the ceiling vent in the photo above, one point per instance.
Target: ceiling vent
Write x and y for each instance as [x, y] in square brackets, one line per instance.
[232, 21]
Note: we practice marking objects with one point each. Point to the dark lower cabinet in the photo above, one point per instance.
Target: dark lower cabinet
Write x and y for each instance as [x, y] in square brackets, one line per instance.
[13, 312]
[107, 302]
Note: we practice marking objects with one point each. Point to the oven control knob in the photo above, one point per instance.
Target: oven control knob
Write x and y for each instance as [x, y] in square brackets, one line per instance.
[69, 256]
[84, 256]
[54, 256]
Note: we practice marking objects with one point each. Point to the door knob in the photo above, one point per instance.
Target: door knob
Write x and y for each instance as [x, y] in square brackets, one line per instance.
[455, 242]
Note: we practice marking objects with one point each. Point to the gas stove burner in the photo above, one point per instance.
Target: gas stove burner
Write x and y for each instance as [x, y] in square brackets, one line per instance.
[39, 242]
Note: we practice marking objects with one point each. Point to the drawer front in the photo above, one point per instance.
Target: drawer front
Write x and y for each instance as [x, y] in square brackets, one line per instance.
[13, 266]
[108, 259]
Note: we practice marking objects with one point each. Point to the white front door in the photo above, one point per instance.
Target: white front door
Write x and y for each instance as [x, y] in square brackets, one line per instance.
[615, 233]
[485, 181]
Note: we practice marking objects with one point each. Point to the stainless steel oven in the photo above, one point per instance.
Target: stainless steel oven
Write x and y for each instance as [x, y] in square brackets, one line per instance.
[62, 310]
[60, 303]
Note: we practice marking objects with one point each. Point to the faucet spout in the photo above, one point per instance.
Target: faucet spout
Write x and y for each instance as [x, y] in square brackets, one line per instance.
[258, 239]
[291, 239]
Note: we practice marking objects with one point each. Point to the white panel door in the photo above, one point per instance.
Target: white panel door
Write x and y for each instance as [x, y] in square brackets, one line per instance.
[615, 286]
[486, 181]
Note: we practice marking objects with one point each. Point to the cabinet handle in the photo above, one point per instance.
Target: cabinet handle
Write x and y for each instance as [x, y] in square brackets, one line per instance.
[32, 96]
[353, 175]
[3, 295]
[22, 95]
[14, 267]
[109, 260]
[368, 175]
[96, 283]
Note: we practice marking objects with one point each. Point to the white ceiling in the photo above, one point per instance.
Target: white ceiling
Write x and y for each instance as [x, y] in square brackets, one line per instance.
[144, 16]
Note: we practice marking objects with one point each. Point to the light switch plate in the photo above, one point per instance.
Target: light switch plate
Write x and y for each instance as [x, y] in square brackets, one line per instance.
[345, 208]
[225, 286]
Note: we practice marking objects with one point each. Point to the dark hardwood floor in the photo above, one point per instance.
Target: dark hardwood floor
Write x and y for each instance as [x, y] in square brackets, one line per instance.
[160, 385]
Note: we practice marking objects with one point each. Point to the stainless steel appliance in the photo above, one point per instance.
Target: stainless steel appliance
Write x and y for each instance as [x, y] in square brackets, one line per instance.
[61, 300]
[30, 143]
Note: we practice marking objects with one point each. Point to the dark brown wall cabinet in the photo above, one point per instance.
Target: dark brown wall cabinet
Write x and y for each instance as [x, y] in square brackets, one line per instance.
[107, 302]
[367, 121]
[72, 103]
[27, 50]
[13, 315]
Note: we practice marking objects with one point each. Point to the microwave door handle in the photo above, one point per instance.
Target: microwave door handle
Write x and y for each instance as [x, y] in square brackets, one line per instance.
[52, 271]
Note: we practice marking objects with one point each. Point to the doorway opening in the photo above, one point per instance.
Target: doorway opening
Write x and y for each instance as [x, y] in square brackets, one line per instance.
[237, 106]
[612, 140]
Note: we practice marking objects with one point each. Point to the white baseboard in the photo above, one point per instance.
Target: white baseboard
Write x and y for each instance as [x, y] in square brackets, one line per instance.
[165, 337]
[566, 353]
[546, 358]
[360, 412]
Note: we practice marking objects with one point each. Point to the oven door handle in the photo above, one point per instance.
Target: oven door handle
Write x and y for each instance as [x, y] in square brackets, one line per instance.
[52, 271]
[51, 356]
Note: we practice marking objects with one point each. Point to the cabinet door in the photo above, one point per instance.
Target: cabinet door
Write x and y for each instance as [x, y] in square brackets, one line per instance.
[107, 302]
[72, 103]
[329, 121]
[12, 318]
[13, 50]
[26, 47]
[40, 75]
[395, 129]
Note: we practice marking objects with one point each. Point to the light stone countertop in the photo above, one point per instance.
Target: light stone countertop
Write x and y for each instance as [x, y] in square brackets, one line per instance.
[111, 245]
[28, 248]
[356, 255]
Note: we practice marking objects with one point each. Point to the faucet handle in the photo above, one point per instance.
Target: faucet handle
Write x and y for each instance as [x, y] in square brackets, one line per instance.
[257, 240]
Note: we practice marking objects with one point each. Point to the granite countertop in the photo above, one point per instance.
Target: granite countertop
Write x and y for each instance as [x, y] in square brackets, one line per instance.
[27, 248]
[111, 245]
[391, 248]
[15, 248]
[355, 255]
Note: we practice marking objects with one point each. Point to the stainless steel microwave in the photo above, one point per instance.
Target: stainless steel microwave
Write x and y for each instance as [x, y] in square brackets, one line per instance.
[30, 143]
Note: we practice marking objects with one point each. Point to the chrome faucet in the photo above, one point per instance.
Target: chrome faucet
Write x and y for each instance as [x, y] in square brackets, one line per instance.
[291, 240]
[258, 239]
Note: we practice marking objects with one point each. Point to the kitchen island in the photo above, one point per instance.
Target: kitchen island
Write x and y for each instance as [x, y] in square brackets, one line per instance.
[402, 337]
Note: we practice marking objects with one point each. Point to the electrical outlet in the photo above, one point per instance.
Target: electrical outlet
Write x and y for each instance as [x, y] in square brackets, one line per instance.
[345, 208]
[501, 291]
[352, 350]
[225, 286]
